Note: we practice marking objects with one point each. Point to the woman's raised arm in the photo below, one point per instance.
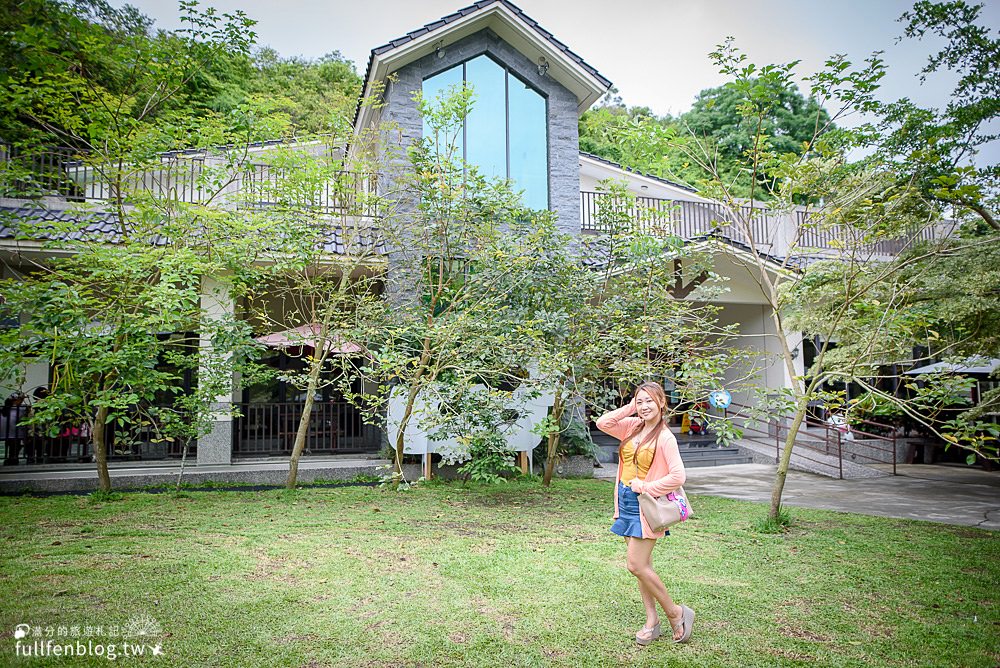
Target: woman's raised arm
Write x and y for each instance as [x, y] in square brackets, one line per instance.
[617, 423]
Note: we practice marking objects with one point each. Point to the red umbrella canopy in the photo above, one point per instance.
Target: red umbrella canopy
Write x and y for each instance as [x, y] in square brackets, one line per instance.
[308, 336]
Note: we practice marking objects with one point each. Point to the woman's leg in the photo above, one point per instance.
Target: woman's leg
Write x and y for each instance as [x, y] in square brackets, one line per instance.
[648, 601]
[640, 564]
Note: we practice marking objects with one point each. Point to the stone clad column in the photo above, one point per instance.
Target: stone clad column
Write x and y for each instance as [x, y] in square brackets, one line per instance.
[216, 447]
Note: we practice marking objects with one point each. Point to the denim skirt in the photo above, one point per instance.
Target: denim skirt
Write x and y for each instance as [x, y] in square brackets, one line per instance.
[628, 523]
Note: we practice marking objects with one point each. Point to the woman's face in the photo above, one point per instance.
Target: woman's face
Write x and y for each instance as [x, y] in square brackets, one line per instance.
[645, 406]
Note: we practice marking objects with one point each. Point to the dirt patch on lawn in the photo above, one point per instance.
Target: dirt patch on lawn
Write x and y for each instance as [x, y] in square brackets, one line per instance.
[275, 567]
[790, 655]
[790, 631]
[504, 620]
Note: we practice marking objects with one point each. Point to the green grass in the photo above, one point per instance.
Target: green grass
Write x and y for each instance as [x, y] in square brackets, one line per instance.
[512, 575]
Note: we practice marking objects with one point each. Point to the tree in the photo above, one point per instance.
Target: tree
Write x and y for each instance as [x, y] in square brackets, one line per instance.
[317, 257]
[869, 305]
[99, 309]
[713, 130]
[937, 148]
[617, 309]
[448, 326]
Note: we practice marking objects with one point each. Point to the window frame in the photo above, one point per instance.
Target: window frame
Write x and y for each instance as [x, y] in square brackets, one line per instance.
[508, 72]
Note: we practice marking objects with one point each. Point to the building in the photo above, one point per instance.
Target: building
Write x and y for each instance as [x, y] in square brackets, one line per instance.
[535, 89]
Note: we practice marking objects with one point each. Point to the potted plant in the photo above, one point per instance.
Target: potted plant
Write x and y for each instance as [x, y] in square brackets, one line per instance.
[576, 450]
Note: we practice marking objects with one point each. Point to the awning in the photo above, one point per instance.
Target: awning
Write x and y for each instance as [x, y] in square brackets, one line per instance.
[973, 365]
[308, 336]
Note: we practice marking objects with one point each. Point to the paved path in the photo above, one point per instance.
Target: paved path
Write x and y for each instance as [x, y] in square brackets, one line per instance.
[941, 493]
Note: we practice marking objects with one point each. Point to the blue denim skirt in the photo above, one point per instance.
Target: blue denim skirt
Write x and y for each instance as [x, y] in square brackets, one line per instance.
[628, 523]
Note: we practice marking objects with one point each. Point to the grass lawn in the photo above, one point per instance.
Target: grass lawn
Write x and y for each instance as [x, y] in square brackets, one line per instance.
[512, 575]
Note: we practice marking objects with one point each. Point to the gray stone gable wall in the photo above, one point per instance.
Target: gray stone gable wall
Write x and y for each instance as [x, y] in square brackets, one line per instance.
[564, 145]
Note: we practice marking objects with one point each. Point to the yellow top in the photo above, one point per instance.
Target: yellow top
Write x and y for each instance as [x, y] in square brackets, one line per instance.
[643, 459]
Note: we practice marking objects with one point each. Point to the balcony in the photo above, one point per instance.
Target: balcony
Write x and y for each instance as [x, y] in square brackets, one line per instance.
[185, 177]
[198, 177]
[771, 232]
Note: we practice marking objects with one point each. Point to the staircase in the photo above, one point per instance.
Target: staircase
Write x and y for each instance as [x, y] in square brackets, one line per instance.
[695, 451]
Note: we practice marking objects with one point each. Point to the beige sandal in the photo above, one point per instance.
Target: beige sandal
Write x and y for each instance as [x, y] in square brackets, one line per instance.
[687, 620]
[648, 634]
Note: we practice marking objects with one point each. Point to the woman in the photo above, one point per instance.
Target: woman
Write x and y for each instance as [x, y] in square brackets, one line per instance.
[648, 461]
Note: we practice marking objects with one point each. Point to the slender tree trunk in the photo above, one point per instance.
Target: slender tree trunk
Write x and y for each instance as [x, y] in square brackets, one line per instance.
[98, 438]
[786, 456]
[184, 453]
[411, 399]
[553, 443]
[801, 406]
[303, 428]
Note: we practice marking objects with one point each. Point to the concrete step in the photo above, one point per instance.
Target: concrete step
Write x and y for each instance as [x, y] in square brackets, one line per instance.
[721, 461]
[266, 472]
[703, 454]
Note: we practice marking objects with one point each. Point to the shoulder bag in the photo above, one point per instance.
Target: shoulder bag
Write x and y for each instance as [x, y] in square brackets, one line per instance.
[663, 512]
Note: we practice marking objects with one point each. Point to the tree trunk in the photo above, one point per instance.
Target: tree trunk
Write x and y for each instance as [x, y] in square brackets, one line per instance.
[98, 438]
[180, 472]
[411, 398]
[401, 432]
[303, 428]
[553, 443]
[786, 456]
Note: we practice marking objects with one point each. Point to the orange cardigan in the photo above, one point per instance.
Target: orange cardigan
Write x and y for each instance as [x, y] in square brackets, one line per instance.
[665, 474]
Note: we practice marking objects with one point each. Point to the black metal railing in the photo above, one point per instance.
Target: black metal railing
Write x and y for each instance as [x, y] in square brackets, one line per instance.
[269, 429]
[77, 176]
[72, 443]
[859, 440]
[827, 453]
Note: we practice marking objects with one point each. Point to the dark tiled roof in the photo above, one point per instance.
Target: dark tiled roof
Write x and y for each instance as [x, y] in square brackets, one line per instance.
[465, 11]
[21, 220]
[32, 222]
[597, 253]
[794, 263]
[611, 163]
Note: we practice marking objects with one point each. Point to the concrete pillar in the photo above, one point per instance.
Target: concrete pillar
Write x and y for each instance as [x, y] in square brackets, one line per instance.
[795, 345]
[216, 447]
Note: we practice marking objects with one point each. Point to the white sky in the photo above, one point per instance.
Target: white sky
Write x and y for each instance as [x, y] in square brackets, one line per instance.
[654, 51]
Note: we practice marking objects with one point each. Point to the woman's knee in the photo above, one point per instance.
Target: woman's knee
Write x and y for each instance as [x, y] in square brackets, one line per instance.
[637, 567]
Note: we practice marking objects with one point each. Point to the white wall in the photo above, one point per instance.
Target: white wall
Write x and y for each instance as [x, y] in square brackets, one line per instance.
[757, 334]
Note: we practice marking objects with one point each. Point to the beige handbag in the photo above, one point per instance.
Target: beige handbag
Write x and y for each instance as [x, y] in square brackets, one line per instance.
[663, 512]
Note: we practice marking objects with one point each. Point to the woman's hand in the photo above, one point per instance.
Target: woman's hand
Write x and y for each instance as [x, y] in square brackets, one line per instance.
[637, 485]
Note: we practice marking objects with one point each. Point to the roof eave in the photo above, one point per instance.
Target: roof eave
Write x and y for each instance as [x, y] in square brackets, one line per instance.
[498, 16]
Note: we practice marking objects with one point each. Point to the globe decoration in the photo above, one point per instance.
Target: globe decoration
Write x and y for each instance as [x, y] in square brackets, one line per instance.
[720, 399]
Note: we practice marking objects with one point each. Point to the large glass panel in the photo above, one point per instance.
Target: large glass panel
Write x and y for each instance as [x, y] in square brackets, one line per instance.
[505, 133]
[485, 127]
[528, 145]
[436, 87]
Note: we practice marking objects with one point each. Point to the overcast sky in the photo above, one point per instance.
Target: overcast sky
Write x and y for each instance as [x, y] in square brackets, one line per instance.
[654, 51]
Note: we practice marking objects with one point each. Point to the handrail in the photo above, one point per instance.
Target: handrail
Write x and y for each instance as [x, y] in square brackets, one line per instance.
[831, 434]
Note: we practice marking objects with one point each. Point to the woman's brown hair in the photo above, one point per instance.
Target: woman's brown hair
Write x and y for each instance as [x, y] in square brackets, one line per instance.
[655, 391]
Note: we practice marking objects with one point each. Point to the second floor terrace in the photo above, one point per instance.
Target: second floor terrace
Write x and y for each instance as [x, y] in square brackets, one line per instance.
[248, 182]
